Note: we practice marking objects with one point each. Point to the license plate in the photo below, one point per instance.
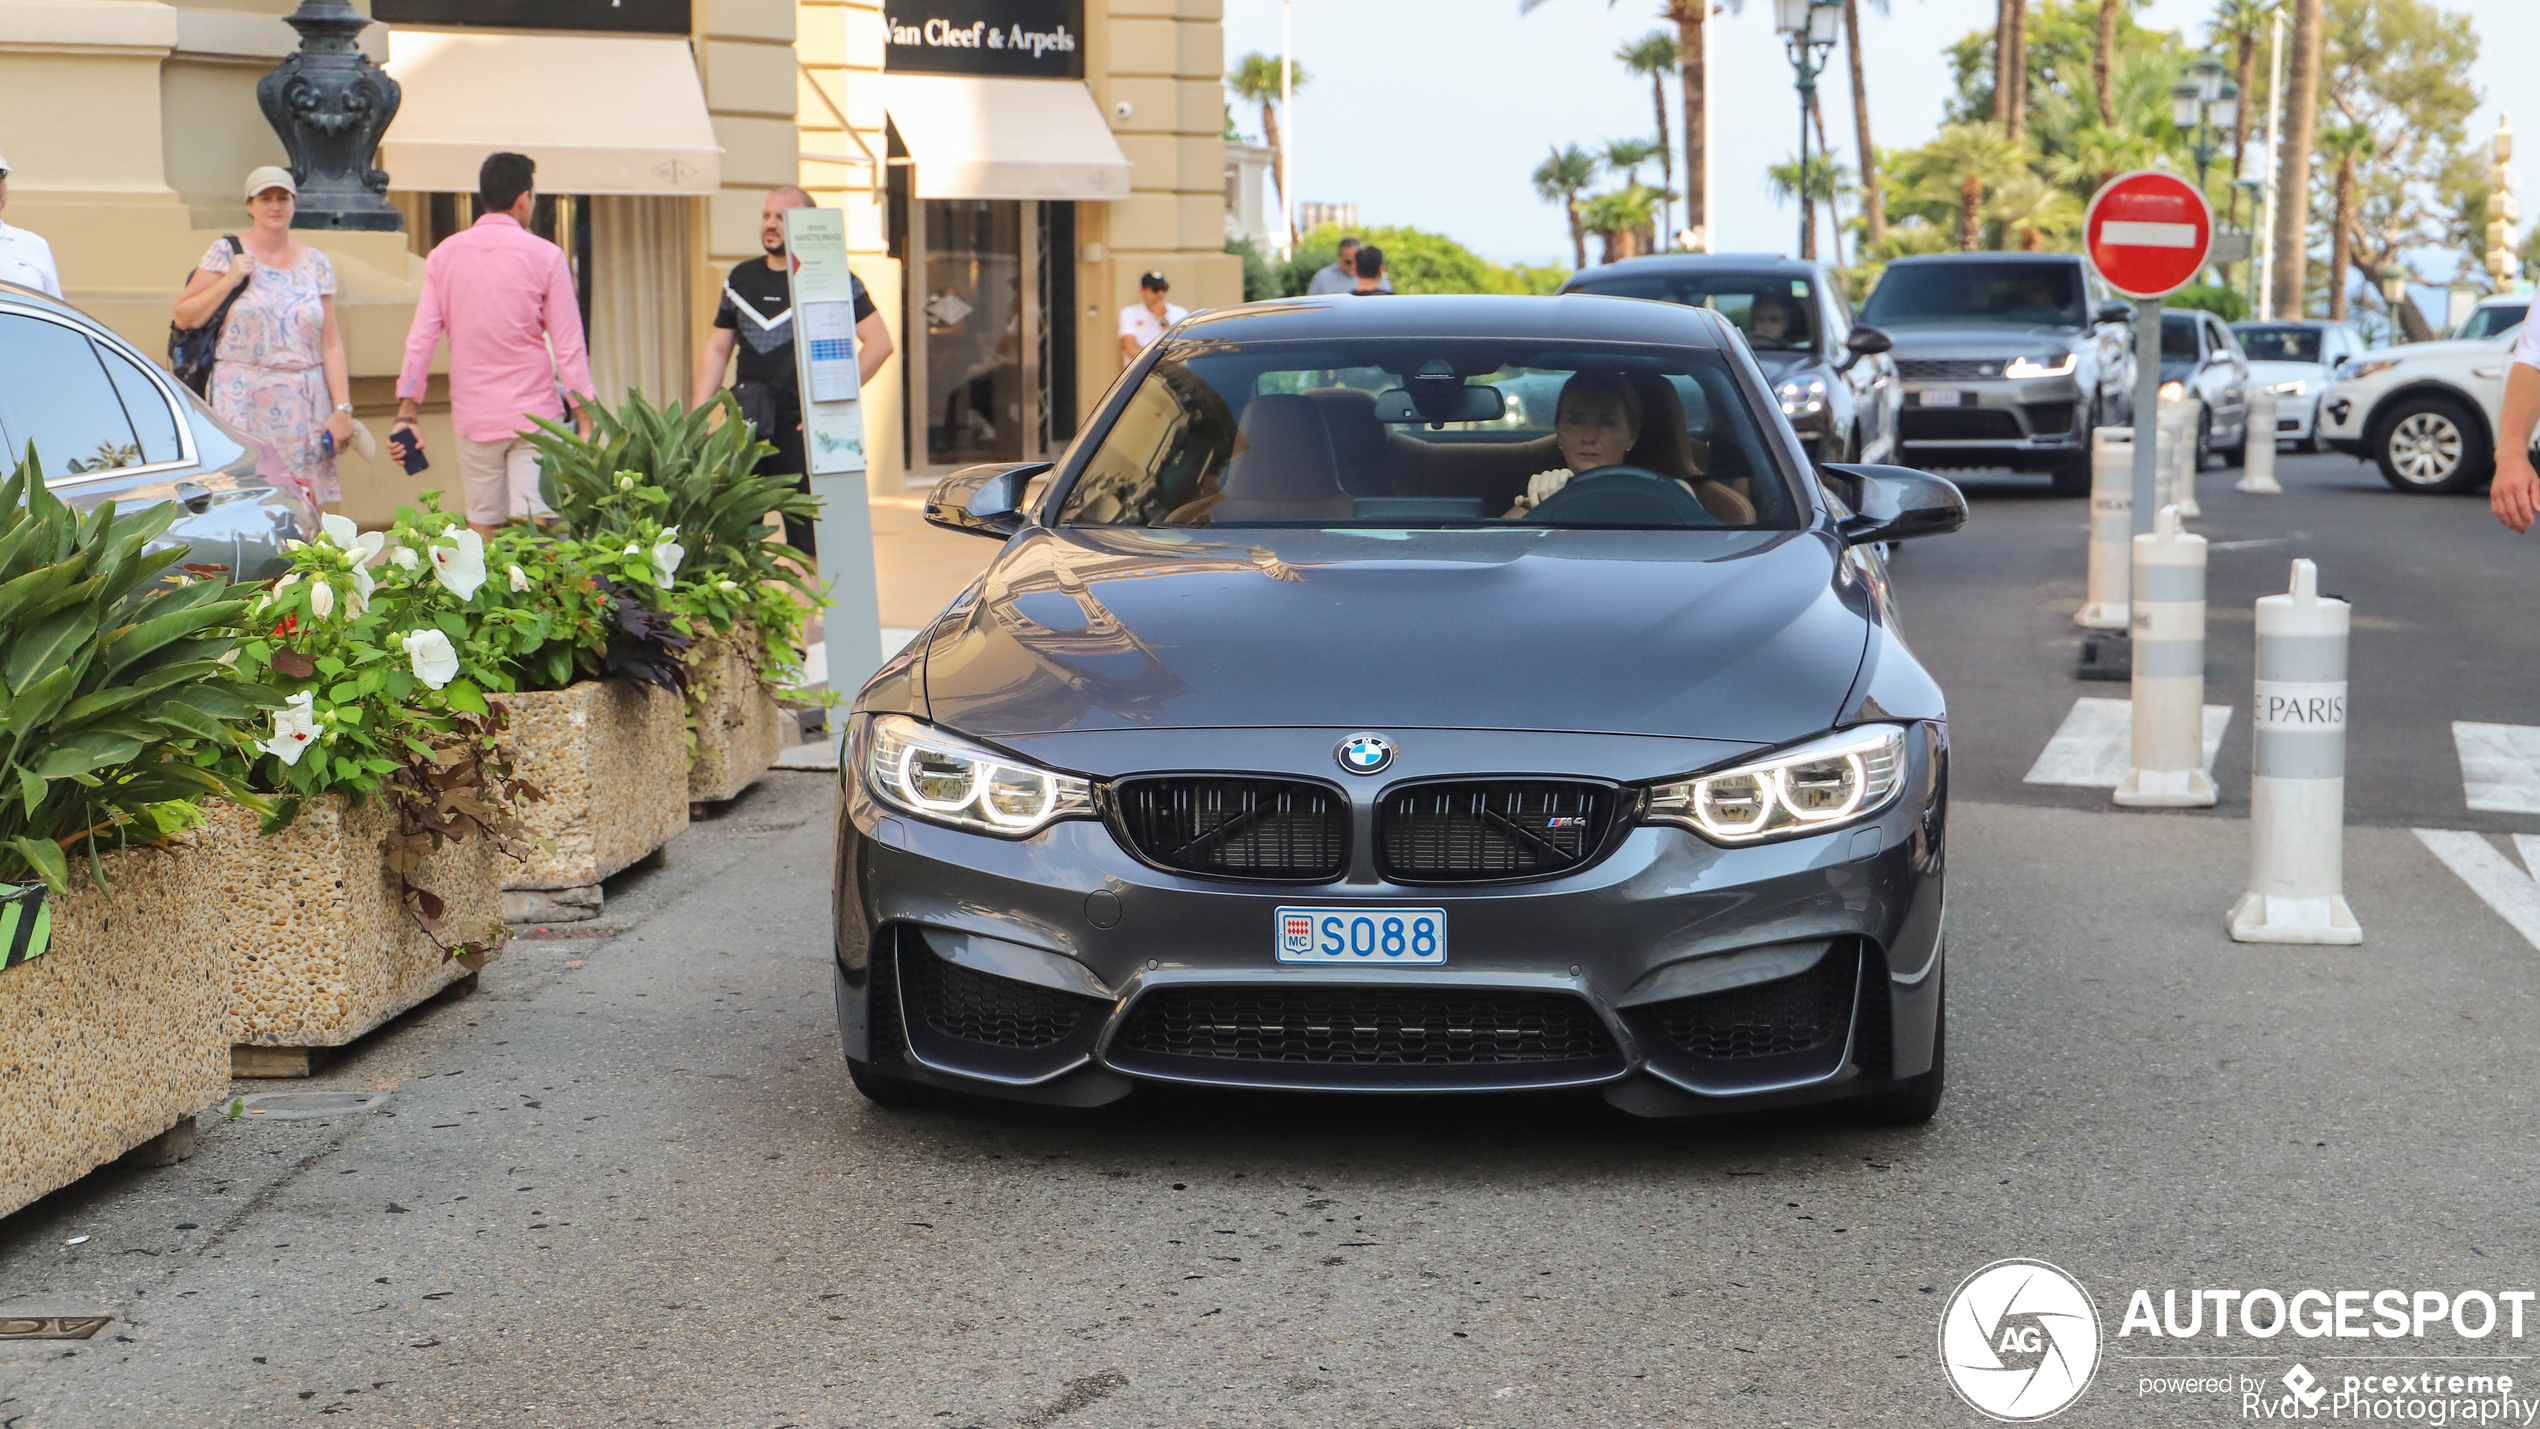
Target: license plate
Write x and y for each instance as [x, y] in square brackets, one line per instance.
[1940, 399]
[1363, 936]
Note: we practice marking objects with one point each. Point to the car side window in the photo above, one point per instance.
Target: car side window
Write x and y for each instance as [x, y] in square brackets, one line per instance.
[146, 403]
[56, 395]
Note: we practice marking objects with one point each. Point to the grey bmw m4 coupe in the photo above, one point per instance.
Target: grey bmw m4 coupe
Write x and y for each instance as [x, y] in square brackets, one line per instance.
[1441, 694]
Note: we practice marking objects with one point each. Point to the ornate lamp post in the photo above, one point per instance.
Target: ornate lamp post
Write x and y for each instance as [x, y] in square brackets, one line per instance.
[331, 104]
[2502, 212]
[2205, 101]
[1809, 29]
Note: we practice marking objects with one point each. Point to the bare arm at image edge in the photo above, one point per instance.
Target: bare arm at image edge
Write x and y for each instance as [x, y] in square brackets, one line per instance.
[872, 346]
[2515, 494]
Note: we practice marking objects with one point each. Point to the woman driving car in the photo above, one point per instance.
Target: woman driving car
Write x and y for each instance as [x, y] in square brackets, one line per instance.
[1596, 424]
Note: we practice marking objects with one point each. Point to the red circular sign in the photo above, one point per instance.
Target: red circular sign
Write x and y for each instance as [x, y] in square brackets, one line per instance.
[2148, 232]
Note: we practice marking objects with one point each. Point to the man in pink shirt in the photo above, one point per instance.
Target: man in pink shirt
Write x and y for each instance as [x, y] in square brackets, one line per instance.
[505, 298]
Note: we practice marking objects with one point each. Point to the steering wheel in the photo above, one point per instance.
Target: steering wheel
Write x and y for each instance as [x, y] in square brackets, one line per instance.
[1623, 496]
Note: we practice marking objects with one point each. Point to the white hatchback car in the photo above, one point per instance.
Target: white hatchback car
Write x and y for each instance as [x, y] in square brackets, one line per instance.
[2298, 359]
[2426, 412]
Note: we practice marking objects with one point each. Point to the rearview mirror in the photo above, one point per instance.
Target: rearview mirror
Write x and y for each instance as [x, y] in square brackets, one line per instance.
[1863, 341]
[1898, 503]
[1462, 404]
[2113, 312]
[983, 500]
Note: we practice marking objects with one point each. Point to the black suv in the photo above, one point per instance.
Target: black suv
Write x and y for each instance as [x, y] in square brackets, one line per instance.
[2008, 359]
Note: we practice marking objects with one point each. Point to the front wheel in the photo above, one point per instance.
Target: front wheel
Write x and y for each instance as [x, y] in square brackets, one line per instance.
[2071, 473]
[2430, 444]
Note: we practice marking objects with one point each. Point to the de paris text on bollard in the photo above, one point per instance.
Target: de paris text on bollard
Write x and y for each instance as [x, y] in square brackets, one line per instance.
[2169, 671]
[2258, 467]
[2297, 801]
[2103, 614]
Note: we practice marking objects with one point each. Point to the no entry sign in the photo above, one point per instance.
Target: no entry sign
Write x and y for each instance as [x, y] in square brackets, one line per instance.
[2148, 233]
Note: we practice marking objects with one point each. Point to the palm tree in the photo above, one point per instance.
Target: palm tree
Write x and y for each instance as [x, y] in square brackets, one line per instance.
[1654, 56]
[1558, 179]
[1622, 219]
[2035, 214]
[1823, 179]
[2293, 165]
[1255, 79]
[2010, 66]
[1625, 156]
[2083, 147]
[1964, 161]
[1873, 203]
[2239, 23]
[2348, 145]
[2103, 48]
[1690, 18]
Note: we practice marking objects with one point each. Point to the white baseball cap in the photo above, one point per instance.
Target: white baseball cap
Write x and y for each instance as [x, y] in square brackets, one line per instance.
[4, 164]
[270, 176]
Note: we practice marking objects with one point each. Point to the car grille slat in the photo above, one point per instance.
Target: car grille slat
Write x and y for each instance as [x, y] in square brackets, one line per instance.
[971, 1006]
[1235, 827]
[1441, 833]
[1950, 369]
[1800, 1013]
[1366, 1026]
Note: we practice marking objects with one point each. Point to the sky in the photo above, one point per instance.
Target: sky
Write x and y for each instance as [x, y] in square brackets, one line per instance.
[1432, 113]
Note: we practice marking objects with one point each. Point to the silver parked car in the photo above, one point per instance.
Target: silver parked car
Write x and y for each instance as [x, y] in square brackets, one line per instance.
[2298, 359]
[109, 424]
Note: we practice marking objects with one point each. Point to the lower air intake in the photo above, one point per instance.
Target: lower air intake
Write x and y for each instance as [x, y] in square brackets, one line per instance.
[1366, 1026]
[1805, 1012]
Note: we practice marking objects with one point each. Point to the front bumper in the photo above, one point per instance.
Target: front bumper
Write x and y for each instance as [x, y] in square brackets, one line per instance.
[1998, 422]
[1676, 977]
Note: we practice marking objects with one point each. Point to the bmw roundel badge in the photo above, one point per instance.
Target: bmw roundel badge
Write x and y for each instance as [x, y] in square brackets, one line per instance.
[1365, 753]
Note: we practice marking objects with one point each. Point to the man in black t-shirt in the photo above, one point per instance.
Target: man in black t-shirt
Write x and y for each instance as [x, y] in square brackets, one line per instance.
[756, 321]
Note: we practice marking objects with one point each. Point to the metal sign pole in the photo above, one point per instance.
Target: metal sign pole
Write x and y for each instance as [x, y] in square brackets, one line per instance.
[2147, 412]
[827, 375]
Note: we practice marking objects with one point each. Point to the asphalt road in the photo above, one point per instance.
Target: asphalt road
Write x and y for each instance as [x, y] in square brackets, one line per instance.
[628, 1183]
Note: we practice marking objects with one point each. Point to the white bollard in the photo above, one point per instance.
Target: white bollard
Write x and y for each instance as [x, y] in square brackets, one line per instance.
[2297, 802]
[2183, 453]
[2111, 520]
[2257, 476]
[2165, 455]
[2169, 671]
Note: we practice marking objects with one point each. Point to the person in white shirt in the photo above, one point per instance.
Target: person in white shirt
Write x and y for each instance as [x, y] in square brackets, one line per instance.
[1145, 320]
[2515, 493]
[25, 259]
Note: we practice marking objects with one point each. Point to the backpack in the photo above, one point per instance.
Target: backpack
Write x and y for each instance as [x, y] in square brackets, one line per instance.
[191, 349]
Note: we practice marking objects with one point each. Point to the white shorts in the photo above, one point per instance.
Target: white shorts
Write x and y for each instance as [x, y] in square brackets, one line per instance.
[500, 480]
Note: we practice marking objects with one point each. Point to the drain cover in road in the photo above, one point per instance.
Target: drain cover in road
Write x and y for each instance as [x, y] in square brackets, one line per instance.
[303, 1106]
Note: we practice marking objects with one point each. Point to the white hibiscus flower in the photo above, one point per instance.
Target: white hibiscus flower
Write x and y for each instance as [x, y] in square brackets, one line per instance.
[434, 658]
[321, 599]
[405, 558]
[294, 729]
[520, 578]
[667, 554]
[458, 561]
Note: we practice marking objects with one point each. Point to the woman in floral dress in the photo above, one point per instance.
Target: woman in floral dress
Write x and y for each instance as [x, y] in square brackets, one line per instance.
[279, 373]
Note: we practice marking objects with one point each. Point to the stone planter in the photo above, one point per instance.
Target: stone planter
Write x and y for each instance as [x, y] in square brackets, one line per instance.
[113, 1039]
[740, 731]
[612, 760]
[318, 946]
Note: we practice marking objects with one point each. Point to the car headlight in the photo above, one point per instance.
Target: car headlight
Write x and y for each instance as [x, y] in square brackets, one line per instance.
[921, 770]
[1824, 784]
[2294, 388]
[2354, 369]
[2052, 364]
[2173, 390]
[1803, 397]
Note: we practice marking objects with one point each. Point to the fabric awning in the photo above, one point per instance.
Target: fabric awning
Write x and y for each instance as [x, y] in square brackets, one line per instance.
[1005, 138]
[600, 114]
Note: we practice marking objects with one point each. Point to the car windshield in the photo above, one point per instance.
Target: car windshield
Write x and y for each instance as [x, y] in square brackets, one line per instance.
[2493, 320]
[1978, 294]
[2278, 344]
[2178, 337]
[1772, 309]
[1333, 434]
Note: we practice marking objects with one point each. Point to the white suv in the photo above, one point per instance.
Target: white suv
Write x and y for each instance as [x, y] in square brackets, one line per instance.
[2427, 412]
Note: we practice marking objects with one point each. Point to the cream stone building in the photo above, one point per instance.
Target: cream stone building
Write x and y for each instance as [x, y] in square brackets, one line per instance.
[1009, 168]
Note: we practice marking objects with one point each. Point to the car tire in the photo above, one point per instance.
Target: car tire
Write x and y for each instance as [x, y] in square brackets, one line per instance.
[2237, 455]
[1916, 1099]
[2204, 438]
[2071, 474]
[2431, 445]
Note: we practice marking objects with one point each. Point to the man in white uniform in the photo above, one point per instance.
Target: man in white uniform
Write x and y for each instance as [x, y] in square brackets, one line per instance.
[1145, 320]
[2515, 494]
[25, 259]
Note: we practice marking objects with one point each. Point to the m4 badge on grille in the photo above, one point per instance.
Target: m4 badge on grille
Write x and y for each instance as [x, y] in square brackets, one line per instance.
[1365, 753]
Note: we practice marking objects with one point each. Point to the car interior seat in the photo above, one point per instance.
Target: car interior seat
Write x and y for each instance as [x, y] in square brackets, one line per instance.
[1369, 462]
[1283, 469]
[1667, 447]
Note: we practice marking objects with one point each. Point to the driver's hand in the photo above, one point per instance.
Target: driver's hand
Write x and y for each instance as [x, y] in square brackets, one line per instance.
[1538, 487]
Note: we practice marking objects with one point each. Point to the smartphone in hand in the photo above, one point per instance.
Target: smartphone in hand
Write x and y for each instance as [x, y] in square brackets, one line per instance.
[409, 451]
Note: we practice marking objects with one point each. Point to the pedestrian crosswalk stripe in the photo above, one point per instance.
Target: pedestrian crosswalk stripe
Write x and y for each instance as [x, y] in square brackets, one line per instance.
[2511, 891]
[2095, 745]
[2500, 765]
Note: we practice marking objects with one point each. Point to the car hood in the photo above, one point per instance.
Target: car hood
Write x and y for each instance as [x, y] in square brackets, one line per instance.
[1779, 364]
[1746, 636]
[1981, 340]
[2270, 373]
[2448, 347]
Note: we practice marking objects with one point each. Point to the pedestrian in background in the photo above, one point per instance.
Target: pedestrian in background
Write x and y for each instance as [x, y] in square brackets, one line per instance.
[504, 296]
[1371, 272]
[756, 319]
[279, 373]
[25, 259]
[1145, 320]
[1342, 276]
[2515, 494]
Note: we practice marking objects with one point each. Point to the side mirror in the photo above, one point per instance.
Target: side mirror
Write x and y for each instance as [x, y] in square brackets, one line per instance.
[1863, 341]
[2113, 312]
[1898, 503]
[983, 500]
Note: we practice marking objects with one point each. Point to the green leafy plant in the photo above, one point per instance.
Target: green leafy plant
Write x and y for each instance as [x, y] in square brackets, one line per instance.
[112, 692]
